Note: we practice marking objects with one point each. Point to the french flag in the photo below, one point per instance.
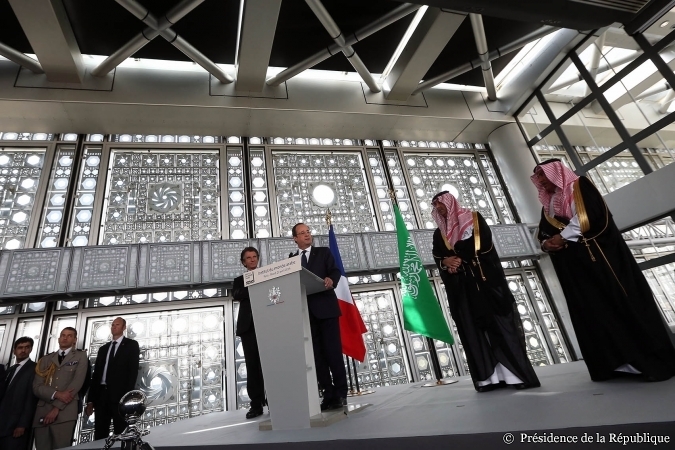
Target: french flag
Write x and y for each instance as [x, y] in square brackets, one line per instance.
[351, 323]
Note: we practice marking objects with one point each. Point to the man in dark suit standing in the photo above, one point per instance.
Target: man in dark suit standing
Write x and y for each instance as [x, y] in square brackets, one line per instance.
[324, 316]
[255, 384]
[17, 401]
[115, 373]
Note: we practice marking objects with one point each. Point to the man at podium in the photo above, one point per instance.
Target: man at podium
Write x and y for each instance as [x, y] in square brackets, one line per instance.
[324, 314]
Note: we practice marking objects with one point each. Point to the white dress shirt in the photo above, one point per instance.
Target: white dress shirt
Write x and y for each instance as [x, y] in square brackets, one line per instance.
[307, 251]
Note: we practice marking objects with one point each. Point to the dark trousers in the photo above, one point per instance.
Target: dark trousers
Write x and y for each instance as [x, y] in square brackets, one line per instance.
[12, 443]
[255, 384]
[106, 409]
[330, 367]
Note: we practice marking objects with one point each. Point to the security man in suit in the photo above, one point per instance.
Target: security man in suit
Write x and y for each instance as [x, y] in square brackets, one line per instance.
[58, 379]
[115, 373]
[17, 401]
[324, 316]
[255, 384]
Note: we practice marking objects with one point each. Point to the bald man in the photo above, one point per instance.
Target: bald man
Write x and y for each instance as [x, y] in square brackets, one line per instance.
[115, 374]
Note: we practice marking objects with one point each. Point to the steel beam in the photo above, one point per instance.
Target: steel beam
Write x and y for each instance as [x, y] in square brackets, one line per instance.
[597, 55]
[427, 42]
[517, 93]
[258, 25]
[21, 59]
[350, 39]
[140, 11]
[483, 55]
[602, 68]
[466, 67]
[141, 39]
[656, 89]
[667, 100]
[196, 56]
[48, 30]
[161, 27]
[127, 50]
[646, 82]
[334, 31]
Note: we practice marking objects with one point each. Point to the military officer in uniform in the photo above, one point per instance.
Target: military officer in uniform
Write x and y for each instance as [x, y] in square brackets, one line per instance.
[58, 379]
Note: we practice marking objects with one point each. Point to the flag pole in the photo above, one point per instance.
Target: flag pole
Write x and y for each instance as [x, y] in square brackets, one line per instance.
[358, 391]
[329, 217]
[349, 374]
[435, 363]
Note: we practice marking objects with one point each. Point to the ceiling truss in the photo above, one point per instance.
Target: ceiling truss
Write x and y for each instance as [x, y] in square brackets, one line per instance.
[161, 27]
[350, 39]
[336, 34]
[427, 41]
[258, 24]
[410, 71]
[51, 36]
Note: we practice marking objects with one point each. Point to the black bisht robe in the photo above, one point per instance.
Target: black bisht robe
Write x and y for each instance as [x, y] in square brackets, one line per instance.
[611, 305]
[484, 310]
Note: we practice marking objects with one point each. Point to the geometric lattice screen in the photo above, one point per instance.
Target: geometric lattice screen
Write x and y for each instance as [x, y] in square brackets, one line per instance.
[459, 174]
[19, 178]
[386, 358]
[55, 200]
[162, 196]
[307, 184]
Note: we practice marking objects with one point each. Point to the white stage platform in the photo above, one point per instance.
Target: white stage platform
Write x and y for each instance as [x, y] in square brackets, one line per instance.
[456, 417]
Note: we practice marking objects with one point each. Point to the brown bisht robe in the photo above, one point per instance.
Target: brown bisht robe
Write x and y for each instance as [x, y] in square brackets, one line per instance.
[483, 307]
[611, 305]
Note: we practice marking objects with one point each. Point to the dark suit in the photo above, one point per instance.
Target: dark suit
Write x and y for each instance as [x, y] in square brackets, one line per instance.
[324, 320]
[17, 407]
[255, 384]
[120, 379]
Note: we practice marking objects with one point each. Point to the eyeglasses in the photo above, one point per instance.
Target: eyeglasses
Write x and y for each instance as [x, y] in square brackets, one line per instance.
[303, 233]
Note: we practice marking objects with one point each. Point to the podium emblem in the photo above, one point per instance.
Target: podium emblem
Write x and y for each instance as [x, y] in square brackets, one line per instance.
[275, 296]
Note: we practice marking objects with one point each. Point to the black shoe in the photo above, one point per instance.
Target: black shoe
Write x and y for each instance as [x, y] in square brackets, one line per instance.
[487, 388]
[520, 386]
[653, 379]
[337, 403]
[254, 412]
[325, 404]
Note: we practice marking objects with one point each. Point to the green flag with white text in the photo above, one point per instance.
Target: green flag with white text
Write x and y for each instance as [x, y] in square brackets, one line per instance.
[421, 312]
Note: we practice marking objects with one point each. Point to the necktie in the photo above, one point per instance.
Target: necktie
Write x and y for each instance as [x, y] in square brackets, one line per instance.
[61, 356]
[111, 356]
[10, 373]
[303, 260]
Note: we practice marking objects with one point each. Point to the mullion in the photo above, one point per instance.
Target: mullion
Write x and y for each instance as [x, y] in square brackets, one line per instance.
[612, 116]
[561, 134]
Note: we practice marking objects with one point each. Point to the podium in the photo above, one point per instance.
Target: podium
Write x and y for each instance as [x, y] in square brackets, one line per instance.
[278, 294]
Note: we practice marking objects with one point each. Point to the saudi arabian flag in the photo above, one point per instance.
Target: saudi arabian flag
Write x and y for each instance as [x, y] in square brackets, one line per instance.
[421, 311]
